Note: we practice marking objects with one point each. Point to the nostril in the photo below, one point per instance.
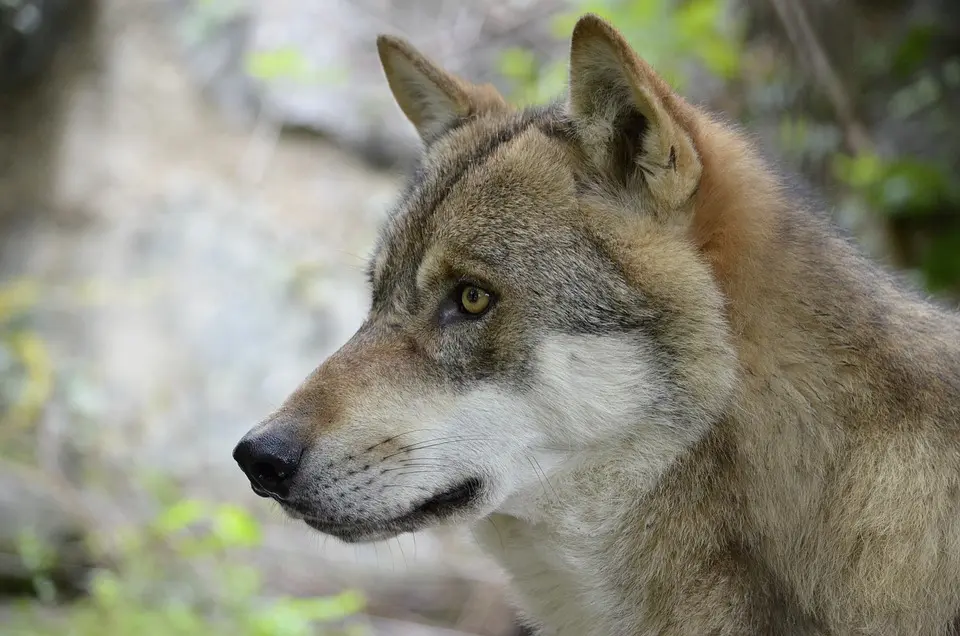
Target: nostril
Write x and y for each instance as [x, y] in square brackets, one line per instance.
[270, 462]
[267, 474]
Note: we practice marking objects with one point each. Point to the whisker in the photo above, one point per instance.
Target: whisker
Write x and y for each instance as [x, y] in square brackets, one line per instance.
[422, 458]
[543, 486]
[422, 472]
[556, 495]
[406, 566]
[390, 439]
[393, 562]
[499, 536]
[554, 449]
[456, 438]
[432, 444]
[408, 466]
[406, 486]
[344, 252]
[416, 464]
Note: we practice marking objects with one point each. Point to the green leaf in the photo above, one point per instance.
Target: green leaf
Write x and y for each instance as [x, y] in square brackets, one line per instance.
[941, 262]
[914, 49]
[106, 589]
[279, 620]
[327, 609]
[281, 63]
[35, 555]
[517, 63]
[242, 582]
[180, 515]
[293, 616]
[862, 171]
[234, 526]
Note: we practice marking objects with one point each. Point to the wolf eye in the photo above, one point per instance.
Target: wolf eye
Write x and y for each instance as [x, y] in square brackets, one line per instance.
[474, 300]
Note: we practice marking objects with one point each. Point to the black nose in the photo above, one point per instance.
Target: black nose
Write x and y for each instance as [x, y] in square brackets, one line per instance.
[270, 460]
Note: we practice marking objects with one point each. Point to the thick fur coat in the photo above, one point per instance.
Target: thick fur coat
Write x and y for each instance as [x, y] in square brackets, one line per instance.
[670, 397]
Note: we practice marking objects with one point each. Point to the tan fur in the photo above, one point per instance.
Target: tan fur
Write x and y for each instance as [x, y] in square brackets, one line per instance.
[694, 409]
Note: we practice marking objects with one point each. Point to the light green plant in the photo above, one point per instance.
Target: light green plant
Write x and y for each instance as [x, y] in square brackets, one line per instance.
[669, 34]
[184, 573]
[26, 366]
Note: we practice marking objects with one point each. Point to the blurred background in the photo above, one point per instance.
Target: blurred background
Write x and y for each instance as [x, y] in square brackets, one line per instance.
[188, 190]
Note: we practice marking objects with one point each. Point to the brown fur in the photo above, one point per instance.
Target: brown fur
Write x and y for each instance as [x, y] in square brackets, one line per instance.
[796, 468]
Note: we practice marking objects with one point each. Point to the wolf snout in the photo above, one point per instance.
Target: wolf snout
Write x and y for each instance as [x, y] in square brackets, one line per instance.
[270, 459]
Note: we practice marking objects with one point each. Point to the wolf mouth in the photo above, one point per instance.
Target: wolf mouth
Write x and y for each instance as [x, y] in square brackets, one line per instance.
[432, 510]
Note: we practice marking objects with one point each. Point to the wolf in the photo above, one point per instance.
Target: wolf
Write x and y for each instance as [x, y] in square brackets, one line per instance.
[669, 396]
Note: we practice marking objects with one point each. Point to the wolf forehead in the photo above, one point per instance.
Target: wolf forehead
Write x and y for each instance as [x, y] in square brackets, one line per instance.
[491, 193]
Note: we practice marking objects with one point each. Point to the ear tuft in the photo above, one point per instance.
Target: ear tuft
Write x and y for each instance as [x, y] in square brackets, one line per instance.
[630, 119]
[430, 97]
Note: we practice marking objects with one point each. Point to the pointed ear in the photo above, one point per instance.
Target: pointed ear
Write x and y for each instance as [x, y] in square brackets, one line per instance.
[431, 98]
[629, 118]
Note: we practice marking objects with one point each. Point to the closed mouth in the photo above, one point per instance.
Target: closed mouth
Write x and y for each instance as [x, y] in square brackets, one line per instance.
[432, 510]
[260, 491]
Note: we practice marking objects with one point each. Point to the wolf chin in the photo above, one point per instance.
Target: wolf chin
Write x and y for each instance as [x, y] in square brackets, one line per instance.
[669, 396]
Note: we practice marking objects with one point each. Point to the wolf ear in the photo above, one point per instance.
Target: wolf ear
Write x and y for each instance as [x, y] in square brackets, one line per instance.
[627, 116]
[431, 98]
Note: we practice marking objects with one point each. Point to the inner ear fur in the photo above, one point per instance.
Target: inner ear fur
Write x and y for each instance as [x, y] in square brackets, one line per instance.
[630, 121]
[432, 98]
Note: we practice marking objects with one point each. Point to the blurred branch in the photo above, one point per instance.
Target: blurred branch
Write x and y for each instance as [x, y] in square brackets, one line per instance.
[874, 232]
[793, 17]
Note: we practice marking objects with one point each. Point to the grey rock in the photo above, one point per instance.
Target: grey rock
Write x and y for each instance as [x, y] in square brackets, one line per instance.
[347, 99]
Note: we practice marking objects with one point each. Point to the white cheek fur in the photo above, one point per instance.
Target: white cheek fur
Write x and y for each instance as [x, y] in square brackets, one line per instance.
[589, 394]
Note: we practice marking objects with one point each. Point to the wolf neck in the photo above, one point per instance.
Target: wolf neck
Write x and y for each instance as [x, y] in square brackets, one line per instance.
[826, 343]
[799, 297]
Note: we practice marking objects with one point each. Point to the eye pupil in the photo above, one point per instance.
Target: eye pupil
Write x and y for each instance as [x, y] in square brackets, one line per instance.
[474, 300]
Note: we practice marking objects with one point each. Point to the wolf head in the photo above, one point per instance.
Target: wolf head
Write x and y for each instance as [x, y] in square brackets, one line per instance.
[542, 292]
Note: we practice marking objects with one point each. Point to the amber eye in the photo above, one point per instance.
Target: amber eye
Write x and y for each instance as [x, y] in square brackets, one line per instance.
[474, 300]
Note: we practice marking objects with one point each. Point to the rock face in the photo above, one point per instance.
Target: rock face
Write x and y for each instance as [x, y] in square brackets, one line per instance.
[346, 97]
[192, 271]
[32, 514]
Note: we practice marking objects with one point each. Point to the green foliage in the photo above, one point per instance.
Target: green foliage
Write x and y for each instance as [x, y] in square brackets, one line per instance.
[38, 559]
[183, 574]
[533, 83]
[669, 34]
[940, 262]
[289, 64]
[898, 186]
[25, 368]
[286, 63]
[282, 62]
[913, 50]
[802, 138]
[885, 194]
[912, 189]
[920, 94]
